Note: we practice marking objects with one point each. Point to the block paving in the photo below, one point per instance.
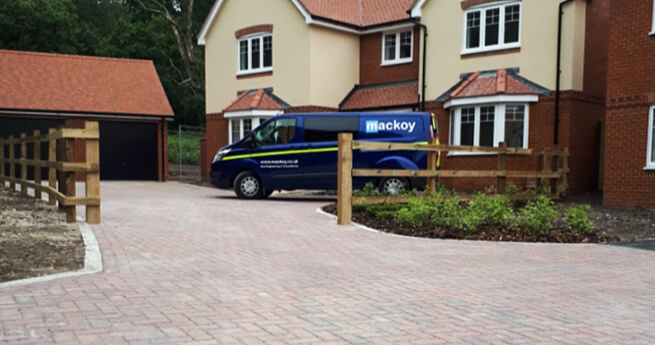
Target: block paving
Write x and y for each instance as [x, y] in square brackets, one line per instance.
[191, 265]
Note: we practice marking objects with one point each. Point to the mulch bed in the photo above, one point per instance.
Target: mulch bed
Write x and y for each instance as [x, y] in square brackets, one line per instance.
[611, 225]
[35, 239]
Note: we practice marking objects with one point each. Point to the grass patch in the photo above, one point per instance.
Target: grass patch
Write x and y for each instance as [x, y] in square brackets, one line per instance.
[190, 149]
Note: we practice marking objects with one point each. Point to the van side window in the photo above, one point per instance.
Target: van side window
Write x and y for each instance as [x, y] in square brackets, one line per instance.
[276, 132]
[327, 128]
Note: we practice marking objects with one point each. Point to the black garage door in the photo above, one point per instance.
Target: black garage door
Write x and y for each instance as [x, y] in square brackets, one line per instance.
[15, 126]
[128, 151]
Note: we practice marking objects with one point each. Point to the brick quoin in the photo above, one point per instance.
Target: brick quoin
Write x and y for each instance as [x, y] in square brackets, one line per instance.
[630, 93]
[372, 72]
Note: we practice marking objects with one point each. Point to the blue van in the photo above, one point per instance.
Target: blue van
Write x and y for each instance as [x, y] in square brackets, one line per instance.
[299, 151]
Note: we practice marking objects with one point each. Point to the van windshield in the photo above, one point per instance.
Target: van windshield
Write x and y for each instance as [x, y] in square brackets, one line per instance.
[280, 131]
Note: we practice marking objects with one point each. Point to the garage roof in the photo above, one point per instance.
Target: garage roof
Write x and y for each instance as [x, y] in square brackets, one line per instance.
[80, 84]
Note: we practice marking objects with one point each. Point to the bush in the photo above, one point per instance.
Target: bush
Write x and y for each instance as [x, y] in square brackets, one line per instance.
[190, 149]
[382, 211]
[416, 212]
[368, 190]
[578, 219]
[495, 210]
[538, 215]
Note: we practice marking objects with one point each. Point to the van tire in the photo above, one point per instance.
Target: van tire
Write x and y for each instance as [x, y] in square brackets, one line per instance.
[393, 185]
[248, 185]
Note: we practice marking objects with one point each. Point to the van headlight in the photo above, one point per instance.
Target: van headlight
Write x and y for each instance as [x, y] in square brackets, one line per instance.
[219, 155]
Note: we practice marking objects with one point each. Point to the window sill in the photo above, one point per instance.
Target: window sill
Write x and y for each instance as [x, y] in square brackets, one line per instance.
[245, 75]
[490, 50]
[652, 33]
[649, 168]
[398, 62]
[467, 154]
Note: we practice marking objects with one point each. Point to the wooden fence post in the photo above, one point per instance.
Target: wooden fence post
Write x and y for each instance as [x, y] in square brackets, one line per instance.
[502, 168]
[344, 179]
[554, 163]
[52, 172]
[61, 157]
[432, 167]
[12, 165]
[565, 167]
[93, 176]
[69, 178]
[37, 168]
[23, 163]
[2, 162]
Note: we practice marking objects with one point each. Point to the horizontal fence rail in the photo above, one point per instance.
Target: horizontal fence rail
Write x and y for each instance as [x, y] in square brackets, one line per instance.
[543, 171]
[61, 167]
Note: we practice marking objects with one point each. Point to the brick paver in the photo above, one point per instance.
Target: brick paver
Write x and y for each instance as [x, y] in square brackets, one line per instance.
[189, 265]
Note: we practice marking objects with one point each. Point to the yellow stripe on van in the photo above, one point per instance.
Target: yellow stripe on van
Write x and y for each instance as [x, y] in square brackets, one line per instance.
[291, 152]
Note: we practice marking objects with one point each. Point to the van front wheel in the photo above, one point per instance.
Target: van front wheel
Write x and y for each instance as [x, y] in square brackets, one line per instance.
[247, 185]
[393, 185]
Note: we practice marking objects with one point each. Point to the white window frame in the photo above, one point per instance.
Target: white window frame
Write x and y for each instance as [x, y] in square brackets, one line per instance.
[398, 60]
[499, 125]
[256, 121]
[650, 164]
[501, 45]
[652, 31]
[249, 38]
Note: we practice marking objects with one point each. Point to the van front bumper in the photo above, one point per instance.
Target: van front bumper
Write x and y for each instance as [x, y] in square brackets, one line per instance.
[219, 181]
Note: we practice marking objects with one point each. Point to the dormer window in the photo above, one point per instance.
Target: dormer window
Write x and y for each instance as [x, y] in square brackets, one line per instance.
[255, 53]
[492, 27]
[397, 47]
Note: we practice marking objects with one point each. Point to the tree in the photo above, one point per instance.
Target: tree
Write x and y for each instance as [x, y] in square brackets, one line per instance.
[39, 25]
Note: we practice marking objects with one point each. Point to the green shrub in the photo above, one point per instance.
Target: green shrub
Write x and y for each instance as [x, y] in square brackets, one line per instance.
[416, 212]
[538, 215]
[495, 210]
[190, 149]
[383, 211]
[447, 212]
[512, 189]
[578, 219]
[368, 190]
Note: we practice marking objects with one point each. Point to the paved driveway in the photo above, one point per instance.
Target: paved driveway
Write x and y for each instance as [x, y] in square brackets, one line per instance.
[188, 265]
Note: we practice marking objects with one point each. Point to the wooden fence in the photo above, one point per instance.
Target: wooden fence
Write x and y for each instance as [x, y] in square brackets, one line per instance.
[61, 168]
[547, 169]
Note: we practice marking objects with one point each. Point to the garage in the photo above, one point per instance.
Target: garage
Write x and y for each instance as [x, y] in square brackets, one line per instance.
[40, 91]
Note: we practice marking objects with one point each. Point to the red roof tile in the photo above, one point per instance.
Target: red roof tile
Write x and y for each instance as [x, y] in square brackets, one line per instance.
[256, 99]
[359, 12]
[491, 83]
[73, 83]
[383, 95]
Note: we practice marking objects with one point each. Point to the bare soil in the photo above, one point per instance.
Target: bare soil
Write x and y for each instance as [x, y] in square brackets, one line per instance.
[35, 239]
[611, 224]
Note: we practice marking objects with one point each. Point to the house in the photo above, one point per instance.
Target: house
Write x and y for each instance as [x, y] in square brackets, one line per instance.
[487, 68]
[630, 121]
[40, 91]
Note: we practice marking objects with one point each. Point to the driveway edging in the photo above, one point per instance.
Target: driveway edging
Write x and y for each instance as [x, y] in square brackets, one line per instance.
[92, 261]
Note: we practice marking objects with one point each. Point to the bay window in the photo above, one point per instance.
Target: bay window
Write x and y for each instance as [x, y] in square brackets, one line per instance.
[489, 124]
[240, 127]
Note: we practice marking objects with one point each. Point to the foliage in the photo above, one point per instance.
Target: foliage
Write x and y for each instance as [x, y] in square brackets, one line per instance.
[577, 218]
[416, 212]
[538, 215]
[495, 210]
[190, 150]
[379, 211]
[368, 190]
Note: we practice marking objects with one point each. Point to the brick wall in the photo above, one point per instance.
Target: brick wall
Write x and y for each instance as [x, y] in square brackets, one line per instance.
[217, 136]
[162, 151]
[630, 92]
[370, 69]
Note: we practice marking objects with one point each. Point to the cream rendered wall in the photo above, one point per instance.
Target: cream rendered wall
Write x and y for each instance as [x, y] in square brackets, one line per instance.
[536, 60]
[291, 52]
[334, 65]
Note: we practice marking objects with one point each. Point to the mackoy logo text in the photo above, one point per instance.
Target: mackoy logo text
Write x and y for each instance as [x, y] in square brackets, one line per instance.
[375, 126]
